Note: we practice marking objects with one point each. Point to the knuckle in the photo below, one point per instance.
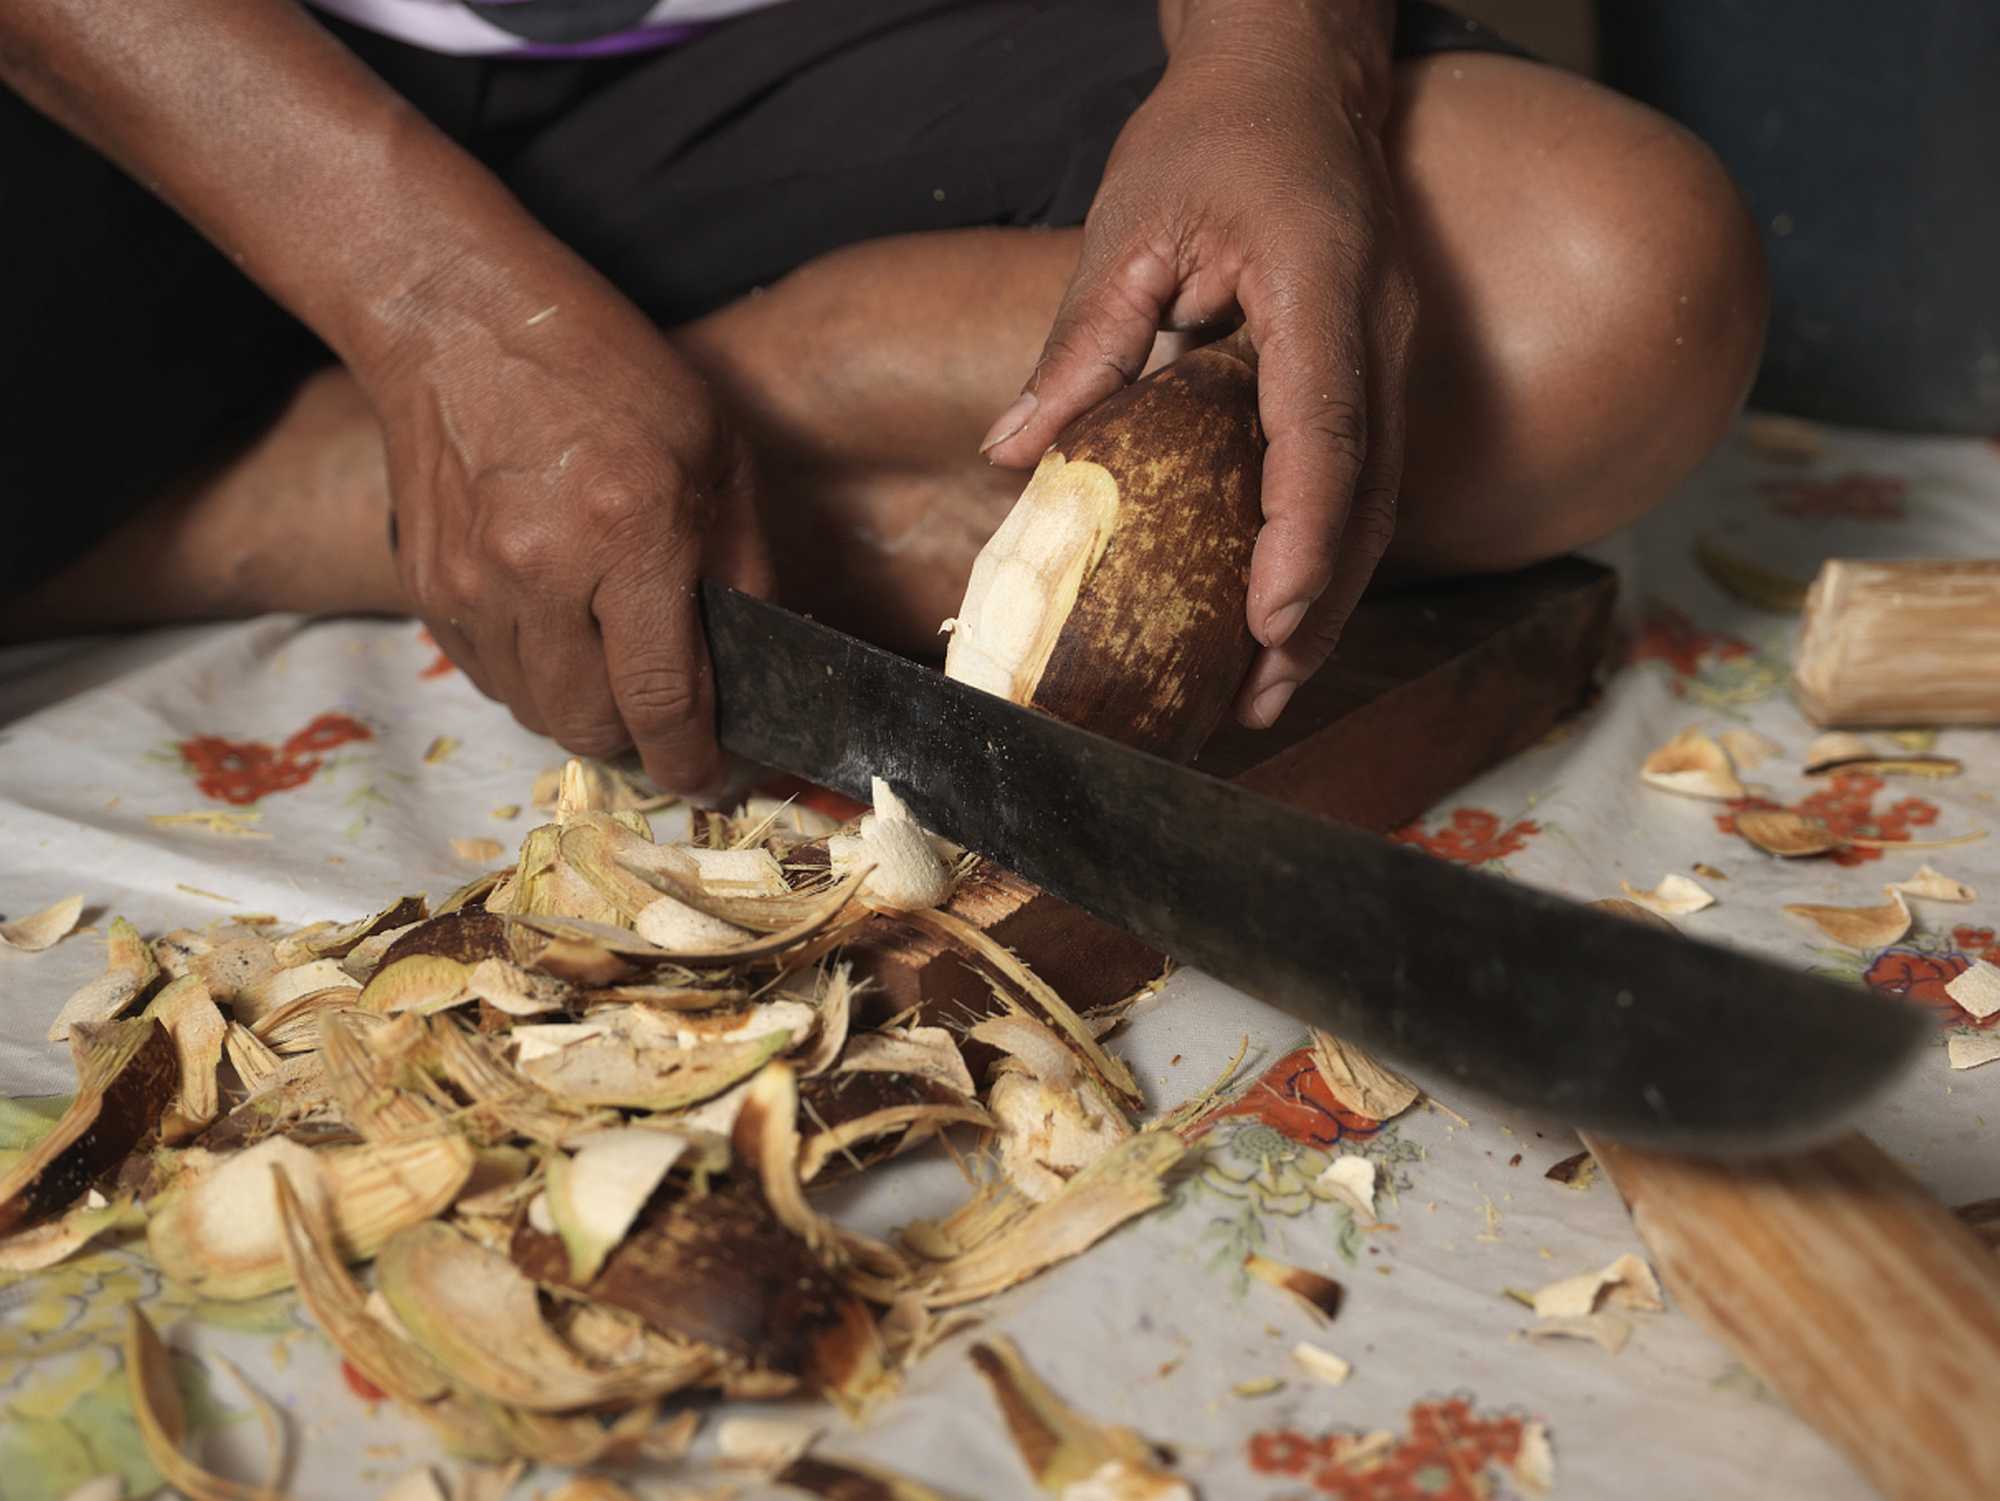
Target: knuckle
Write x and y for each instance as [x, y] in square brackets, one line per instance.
[591, 735]
[612, 505]
[521, 550]
[658, 696]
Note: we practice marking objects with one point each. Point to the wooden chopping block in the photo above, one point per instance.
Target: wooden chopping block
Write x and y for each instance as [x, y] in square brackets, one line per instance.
[1855, 1295]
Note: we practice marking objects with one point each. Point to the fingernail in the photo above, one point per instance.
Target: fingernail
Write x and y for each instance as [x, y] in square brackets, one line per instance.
[1280, 623]
[1011, 421]
[1268, 705]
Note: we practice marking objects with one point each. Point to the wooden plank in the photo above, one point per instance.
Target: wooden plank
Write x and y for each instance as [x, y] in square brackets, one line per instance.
[1432, 685]
[1853, 1294]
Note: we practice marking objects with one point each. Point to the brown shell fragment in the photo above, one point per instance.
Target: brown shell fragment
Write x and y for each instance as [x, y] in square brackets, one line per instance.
[850, 1480]
[1067, 1452]
[1789, 835]
[474, 1313]
[719, 1271]
[126, 1077]
[1153, 494]
[1320, 1296]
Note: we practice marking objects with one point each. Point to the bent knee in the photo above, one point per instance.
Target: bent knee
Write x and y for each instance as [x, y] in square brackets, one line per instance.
[1603, 315]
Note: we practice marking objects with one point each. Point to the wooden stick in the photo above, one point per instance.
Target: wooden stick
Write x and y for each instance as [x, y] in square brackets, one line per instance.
[1910, 643]
[1872, 1310]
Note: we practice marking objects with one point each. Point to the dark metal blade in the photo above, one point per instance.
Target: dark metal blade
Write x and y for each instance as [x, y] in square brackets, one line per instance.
[1541, 1002]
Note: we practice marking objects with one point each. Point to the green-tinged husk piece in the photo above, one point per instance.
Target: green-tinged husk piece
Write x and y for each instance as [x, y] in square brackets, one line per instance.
[594, 1196]
[126, 1077]
[54, 1241]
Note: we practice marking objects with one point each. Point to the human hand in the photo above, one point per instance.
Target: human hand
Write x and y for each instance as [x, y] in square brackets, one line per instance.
[561, 483]
[1253, 179]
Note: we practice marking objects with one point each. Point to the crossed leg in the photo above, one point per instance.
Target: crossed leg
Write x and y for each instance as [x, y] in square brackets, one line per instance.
[1592, 311]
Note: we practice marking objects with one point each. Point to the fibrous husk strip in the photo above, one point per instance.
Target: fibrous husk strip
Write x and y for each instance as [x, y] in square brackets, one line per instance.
[219, 1231]
[1124, 1183]
[162, 1420]
[197, 1029]
[387, 1360]
[129, 972]
[127, 1075]
[962, 935]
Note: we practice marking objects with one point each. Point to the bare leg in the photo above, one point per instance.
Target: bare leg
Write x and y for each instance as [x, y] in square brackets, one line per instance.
[1593, 307]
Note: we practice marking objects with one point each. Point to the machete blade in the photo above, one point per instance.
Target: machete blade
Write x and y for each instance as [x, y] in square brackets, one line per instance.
[1538, 1001]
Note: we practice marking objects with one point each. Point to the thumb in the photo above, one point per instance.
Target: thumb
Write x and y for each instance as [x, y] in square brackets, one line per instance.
[1100, 341]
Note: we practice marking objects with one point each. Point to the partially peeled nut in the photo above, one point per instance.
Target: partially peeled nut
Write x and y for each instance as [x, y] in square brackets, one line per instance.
[1112, 595]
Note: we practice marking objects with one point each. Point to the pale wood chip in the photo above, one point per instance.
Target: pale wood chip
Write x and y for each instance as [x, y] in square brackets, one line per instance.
[1351, 1180]
[478, 851]
[1324, 1365]
[1675, 896]
[1626, 1283]
[1358, 1082]
[1746, 749]
[1977, 990]
[1971, 1052]
[1692, 765]
[1934, 886]
[1859, 927]
[43, 929]
[1606, 1329]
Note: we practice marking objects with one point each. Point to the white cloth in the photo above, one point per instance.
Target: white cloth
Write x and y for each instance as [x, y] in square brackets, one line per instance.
[1157, 1326]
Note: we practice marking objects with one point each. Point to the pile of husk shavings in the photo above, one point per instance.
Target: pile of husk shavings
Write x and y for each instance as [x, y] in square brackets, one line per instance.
[573, 1115]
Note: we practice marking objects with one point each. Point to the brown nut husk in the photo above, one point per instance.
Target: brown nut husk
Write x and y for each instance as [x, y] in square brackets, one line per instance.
[1154, 495]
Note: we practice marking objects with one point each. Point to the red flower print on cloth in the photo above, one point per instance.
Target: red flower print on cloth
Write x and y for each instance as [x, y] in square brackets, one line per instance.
[1293, 1100]
[1447, 1455]
[441, 666]
[1471, 836]
[1920, 975]
[1854, 496]
[1667, 635]
[242, 771]
[1847, 806]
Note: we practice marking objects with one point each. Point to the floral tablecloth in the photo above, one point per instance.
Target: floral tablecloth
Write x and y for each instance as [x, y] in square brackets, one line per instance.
[318, 733]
